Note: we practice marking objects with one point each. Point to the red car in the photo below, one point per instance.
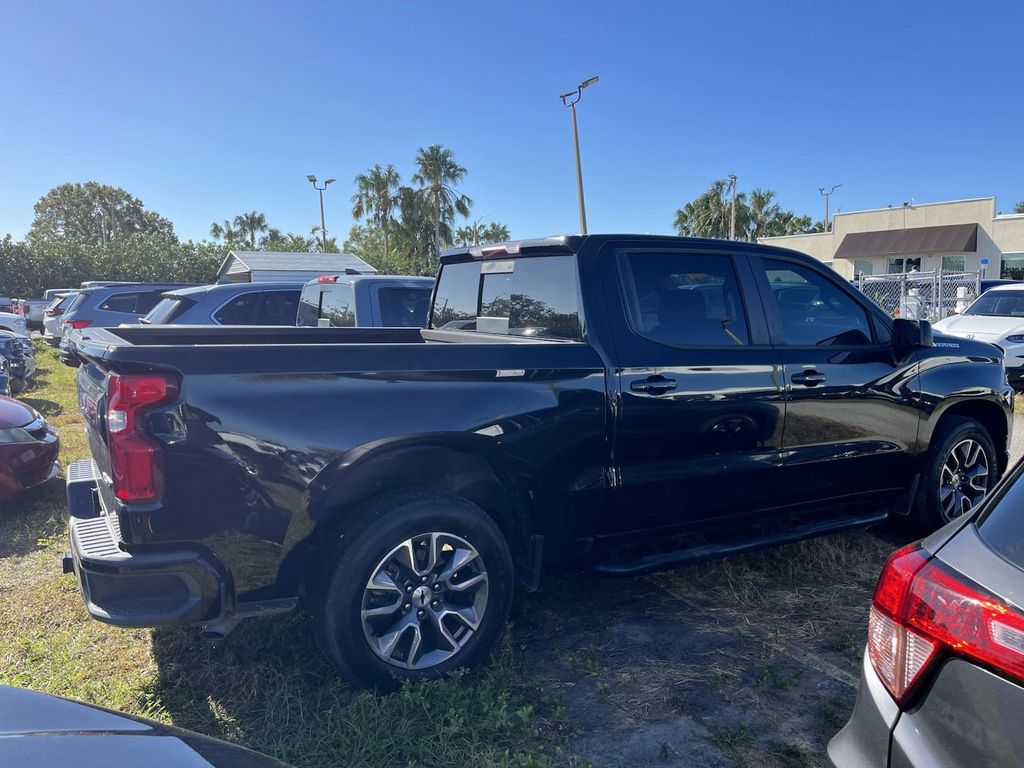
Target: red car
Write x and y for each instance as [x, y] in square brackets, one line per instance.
[28, 448]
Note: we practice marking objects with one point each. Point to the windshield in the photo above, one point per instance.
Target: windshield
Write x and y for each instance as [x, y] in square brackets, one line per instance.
[998, 304]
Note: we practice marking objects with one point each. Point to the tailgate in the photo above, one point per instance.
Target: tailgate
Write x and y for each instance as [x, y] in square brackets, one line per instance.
[92, 401]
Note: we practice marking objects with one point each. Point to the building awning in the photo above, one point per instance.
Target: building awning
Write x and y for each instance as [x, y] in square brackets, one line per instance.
[950, 238]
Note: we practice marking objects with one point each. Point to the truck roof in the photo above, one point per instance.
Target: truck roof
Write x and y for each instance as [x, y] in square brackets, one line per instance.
[570, 244]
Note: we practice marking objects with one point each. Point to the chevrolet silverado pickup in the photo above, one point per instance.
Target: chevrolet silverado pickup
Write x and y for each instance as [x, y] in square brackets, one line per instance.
[631, 402]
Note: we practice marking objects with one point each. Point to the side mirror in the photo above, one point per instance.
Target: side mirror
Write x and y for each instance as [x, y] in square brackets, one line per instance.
[908, 335]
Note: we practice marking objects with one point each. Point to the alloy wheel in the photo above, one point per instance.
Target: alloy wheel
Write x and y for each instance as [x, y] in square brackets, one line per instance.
[963, 482]
[424, 600]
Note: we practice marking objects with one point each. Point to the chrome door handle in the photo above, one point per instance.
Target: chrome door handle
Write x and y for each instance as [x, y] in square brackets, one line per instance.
[808, 378]
[653, 385]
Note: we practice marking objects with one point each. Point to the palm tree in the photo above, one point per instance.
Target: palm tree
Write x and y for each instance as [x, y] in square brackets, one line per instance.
[438, 174]
[495, 232]
[1019, 207]
[223, 231]
[763, 215]
[377, 198]
[251, 225]
[710, 214]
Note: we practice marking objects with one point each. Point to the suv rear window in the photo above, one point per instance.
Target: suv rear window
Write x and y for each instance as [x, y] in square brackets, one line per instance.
[169, 309]
[535, 297]
[133, 303]
[1001, 527]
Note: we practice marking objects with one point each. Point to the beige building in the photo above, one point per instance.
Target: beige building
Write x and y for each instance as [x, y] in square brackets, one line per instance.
[956, 236]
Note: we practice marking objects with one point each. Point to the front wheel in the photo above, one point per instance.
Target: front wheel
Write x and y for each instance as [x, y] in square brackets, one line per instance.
[420, 583]
[961, 470]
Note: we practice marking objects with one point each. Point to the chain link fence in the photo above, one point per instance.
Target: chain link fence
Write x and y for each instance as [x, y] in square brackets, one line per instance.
[922, 295]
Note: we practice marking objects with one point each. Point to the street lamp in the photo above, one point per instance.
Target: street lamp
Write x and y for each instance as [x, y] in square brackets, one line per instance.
[323, 227]
[826, 195]
[476, 228]
[569, 100]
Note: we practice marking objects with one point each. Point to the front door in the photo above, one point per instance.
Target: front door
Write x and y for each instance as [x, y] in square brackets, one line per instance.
[850, 423]
[700, 410]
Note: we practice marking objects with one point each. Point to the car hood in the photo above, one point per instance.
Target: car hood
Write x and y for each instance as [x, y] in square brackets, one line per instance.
[980, 326]
[40, 730]
[14, 413]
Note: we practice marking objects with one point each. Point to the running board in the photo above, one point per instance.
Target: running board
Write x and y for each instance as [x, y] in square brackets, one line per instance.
[650, 563]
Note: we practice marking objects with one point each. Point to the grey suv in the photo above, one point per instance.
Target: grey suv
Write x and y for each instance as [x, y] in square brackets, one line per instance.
[228, 304]
[943, 674]
[108, 306]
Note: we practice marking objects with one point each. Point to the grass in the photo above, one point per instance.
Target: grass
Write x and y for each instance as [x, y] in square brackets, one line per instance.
[266, 686]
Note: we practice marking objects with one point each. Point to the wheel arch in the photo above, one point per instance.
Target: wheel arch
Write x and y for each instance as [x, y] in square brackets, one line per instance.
[989, 413]
[453, 464]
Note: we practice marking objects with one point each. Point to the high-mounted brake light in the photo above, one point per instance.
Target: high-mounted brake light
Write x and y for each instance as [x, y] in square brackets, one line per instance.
[78, 324]
[327, 279]
[137, 462]
[923, 610]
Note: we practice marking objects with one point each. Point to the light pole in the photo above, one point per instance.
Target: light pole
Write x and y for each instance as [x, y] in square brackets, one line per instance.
[476, 228]
[732, 219]
[323, 227]
[569, 99]
[826, 195]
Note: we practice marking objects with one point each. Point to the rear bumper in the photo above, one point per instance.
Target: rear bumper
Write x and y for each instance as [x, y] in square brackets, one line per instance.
[864, 740]
[148, 588]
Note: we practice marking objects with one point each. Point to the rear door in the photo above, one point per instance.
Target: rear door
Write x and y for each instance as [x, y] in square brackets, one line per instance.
[850, 420]
[700, 407]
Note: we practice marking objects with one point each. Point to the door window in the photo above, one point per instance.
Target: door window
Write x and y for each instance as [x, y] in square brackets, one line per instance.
[276, 308]
[238, 310]
[813, 310]
[684, 299]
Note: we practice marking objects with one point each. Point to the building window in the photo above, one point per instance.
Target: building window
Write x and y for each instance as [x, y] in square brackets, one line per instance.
[863, 267]
[1013, 266]
[955, 263]
[908, 264]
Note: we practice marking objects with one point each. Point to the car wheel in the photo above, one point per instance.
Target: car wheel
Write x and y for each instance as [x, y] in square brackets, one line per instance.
[961, 469]
[419, 583]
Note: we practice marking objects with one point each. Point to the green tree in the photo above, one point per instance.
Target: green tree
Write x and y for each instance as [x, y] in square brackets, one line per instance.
[710, 214]
[438, 176]
[377, 199]
[249, 227]
[474, 234]
[93, 213]
[1019, 207]
[225, 231]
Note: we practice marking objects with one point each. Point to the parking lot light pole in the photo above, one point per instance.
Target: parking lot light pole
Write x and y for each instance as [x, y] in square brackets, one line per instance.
[476, 228]
[732, 217]
[569, 99]
[826, 195]
[323, 227]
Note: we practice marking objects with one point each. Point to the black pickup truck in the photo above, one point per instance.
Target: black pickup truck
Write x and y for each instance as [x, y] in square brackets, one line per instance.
[636, 402]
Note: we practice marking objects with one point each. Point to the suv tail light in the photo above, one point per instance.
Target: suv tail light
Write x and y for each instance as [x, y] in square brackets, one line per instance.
[53, 312]
[78, 324]
[923, 610]
[136, 461]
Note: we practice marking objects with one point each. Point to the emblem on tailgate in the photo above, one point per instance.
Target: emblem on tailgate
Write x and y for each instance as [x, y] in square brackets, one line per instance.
[87, 405]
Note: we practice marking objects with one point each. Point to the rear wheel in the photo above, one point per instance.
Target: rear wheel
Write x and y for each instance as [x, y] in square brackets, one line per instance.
[420, 583]
[961, 470]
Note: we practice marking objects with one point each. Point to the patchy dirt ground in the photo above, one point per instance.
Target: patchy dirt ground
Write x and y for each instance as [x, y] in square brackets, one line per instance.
[750, 661]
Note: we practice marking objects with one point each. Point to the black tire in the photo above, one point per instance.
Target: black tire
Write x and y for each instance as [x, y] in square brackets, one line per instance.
[366, 539]
[929, 512]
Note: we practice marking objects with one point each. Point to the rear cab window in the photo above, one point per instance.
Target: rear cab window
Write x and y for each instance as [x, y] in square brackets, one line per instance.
[536, 297]
[403, 307]
[327, 304]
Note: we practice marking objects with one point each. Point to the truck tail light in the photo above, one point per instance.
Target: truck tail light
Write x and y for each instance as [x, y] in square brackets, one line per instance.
[78, 324]
[136, 461]
[923, 610]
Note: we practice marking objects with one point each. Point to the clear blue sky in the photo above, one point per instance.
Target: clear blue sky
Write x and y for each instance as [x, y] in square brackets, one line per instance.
[208, 109]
